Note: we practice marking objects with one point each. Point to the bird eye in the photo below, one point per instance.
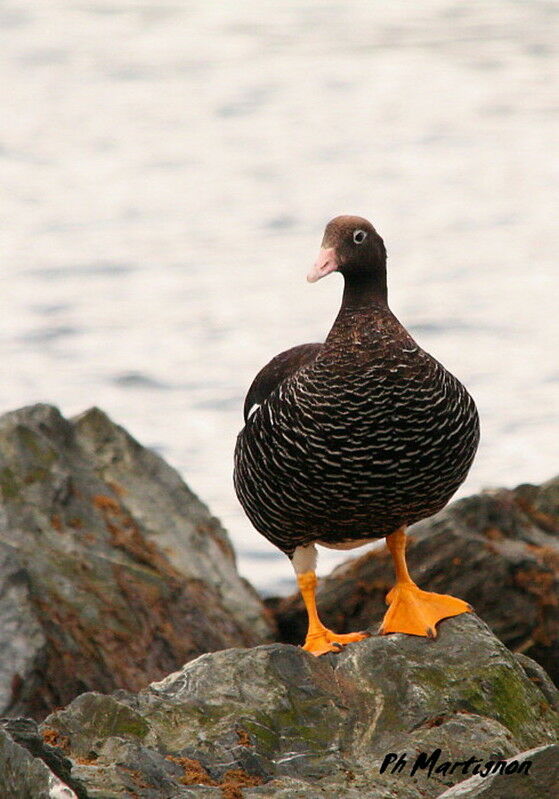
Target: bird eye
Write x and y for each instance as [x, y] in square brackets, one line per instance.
[359, 236]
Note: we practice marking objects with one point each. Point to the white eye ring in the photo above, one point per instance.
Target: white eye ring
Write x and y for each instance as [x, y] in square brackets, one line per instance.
[359, 236]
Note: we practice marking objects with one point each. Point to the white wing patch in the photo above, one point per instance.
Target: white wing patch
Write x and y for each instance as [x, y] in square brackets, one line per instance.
[253, 410]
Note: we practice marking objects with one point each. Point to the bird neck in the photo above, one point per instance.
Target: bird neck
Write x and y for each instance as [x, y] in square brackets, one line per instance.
[363, 311]
[364, 291]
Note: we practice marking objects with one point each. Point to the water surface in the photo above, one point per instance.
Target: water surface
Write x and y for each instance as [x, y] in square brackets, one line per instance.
[167, 170]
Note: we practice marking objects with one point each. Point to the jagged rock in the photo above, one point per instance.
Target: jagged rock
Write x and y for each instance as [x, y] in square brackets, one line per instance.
[23, 776]
[22, 773]
[541, 782]
[498, 550]
[112, 573]
[306, 726]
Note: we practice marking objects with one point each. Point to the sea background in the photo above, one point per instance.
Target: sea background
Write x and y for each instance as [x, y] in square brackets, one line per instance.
[166, 172]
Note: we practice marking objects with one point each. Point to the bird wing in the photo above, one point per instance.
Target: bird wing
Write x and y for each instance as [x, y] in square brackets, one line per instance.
[276, 371]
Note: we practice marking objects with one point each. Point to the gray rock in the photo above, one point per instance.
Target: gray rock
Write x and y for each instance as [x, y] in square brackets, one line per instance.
[306, 726]
[498, 550]
[25, 733]
[112, 573]
[170, 515]
[23, 776]
[349, 786]
[541, 782]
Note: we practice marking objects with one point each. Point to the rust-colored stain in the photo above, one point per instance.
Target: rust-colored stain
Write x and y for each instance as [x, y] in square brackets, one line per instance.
[105, 503]
[548, 556]
[54, 738]
[136, 777]
[542, 585]
[144, 622]
[85, 761]
[435, 722]
[125, 535]
[234, 780]
[230, 784]
[244, 737]
[494, 534]
[56, 522]
[537, 582]
[116, 488]
[194, 771]
[544, 520]
[210, 529]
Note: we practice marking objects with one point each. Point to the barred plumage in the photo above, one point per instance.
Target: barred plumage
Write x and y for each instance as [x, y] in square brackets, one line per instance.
[358, 437]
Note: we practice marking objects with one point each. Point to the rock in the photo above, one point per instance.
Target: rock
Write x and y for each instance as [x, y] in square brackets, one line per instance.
[40, 771]
[276, 721]
[112, 572]
[542, 781]
[25, 777]
[499, 551]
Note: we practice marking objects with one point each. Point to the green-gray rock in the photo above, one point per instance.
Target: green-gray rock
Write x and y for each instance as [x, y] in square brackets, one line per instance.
[306, 726]
[112, 573]
[541, 781]
[23, 776]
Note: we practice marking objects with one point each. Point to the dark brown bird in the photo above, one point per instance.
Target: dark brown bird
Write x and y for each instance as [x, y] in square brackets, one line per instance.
[355, 439]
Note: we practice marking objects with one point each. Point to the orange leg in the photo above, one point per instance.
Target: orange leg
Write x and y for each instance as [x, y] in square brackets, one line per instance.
[412, 610]
[319, 638]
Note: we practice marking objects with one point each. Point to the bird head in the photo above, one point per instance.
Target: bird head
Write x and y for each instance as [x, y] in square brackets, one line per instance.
[351, 246]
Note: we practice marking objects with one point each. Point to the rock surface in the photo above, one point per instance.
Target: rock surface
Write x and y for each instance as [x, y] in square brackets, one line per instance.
[542, 781]
[276, 721]
[112, 573]
[30, 768]
[498, 550]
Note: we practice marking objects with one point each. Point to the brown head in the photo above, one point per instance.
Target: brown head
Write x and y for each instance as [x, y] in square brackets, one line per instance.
[351, 246]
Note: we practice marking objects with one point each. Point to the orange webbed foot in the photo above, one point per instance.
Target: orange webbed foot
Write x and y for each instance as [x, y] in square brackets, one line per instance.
[417, 612]
[323, 641]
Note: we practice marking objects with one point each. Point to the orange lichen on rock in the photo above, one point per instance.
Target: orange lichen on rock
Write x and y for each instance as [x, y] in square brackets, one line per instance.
[56, 522]
[539, 583]
[244, 737]
[126, 535]
[104, 503]
[230, 784]
[542, 585]
[235, 779]
[54, 738]
[544, 520]
[194, 771]
[493, 533]
[136, 777]
[548, 556]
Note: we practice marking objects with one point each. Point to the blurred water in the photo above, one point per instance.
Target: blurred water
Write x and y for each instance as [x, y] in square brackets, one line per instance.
[166, 171]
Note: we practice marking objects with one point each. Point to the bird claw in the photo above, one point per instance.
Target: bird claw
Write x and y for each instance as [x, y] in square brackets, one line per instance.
[327, 641]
